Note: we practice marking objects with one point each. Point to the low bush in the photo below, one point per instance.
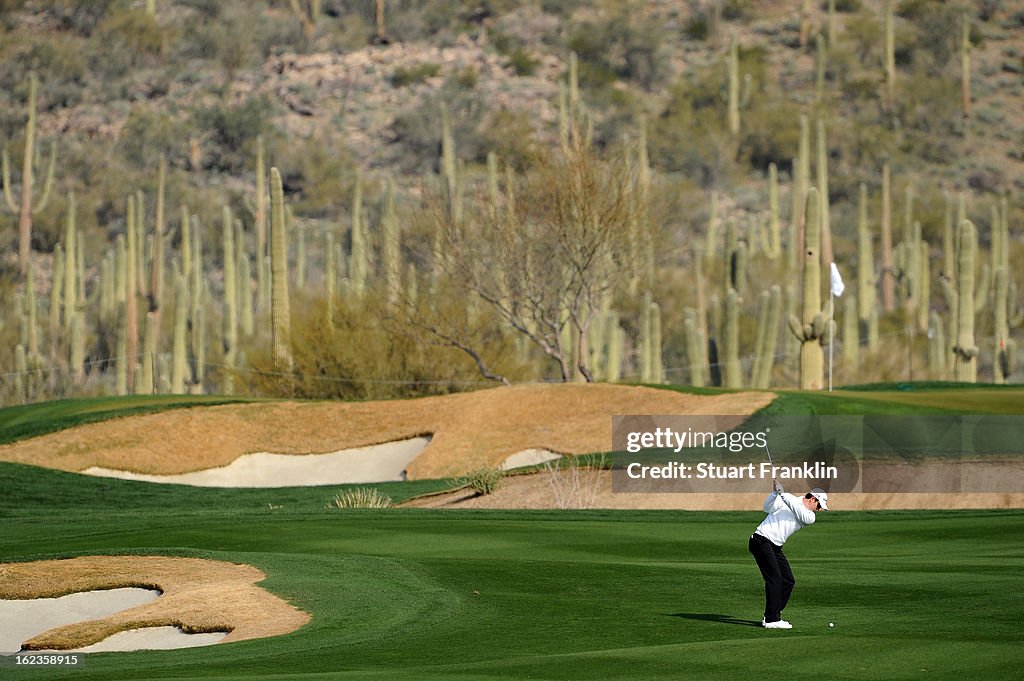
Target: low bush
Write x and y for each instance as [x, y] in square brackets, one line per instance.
[361, 497]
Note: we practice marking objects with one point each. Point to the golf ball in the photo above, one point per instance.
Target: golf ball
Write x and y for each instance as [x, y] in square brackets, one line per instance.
[831, 624]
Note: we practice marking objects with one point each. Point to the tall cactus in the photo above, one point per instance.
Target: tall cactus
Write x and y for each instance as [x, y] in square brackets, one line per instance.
[773, 244]
[156, 272]
[280, 312]
[813, 328]
[733, 70]
[732, 369]
[261, 225]
[888, 275]
[866, 280]
[179, 368]
[937, 351]
[230, 281]
[358, 268]
[330, 276]
[391, 255]
[965, 69]
[694, 349]
[56, 290]
[26, 208]
[966, 350]
[71, 246]
[148, 385]
[1005, 351]
[20, 374]
[801, 183]
[131, 319]
[78, 347]
[769, 314]
[31, 311]
[822, 167]
[657, 367]
[851, 335]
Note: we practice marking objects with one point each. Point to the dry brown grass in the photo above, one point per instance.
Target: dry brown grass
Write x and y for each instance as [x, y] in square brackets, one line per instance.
[469, 430]
[199, 596]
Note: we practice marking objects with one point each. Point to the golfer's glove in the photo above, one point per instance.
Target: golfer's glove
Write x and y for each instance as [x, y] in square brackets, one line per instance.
[777, 487]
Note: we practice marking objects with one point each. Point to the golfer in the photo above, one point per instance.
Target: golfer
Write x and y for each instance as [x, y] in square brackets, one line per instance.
[787, 513]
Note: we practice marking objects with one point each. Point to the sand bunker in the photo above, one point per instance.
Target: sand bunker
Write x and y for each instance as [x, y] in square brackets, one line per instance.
[528, 457]
[378, 463]
[195, 597]
[469, 430]
[152, 638]
[21, 620]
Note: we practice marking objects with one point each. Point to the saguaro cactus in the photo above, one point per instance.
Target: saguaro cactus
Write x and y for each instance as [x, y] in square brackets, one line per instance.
[822, 167]
[131, 318]
[888, 275]
[26, 207]
[1005, 351]
[280, 312]
[733, 68]
[733, 370]
[179, 370]
[230, 282]
[866, 279]
[965, 351]
[801, 182]
[261, 225]
[391, 255]
[965, 69]
[814, 327]
[56, 289]
[769, 314]
[358, 261]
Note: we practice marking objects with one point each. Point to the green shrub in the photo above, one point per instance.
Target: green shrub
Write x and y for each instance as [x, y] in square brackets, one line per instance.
[523, 62]
[412, 75]
[466, 78]
[361, 497]
[483, 481]
[232, 131]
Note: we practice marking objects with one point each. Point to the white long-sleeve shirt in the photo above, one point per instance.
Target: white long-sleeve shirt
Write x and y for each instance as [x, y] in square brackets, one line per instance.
[786, 514]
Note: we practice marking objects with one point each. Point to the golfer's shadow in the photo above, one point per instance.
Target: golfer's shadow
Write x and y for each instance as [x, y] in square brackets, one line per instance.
[721, 619]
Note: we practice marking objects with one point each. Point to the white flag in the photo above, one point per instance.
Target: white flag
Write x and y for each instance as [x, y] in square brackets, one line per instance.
[837, 282]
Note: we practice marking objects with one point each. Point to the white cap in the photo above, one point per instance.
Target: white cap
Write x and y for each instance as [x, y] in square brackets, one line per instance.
[822, 497]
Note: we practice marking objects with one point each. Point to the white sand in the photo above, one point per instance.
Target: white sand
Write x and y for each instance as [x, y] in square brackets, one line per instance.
[152, 638]
[379, 463]
[20, 620]
[529, 457]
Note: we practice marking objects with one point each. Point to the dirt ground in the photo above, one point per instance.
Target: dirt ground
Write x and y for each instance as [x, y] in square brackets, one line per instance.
[584, 488]
[199, 596]
[469, 430]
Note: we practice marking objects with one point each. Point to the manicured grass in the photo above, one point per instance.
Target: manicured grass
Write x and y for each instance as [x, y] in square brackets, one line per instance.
[405, 594]
[430, 595]
[30, 420]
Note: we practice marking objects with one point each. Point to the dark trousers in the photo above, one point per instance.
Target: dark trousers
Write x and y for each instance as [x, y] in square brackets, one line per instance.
[778, 577]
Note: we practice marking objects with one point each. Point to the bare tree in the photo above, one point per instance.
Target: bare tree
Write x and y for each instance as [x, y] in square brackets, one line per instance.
[544, 253]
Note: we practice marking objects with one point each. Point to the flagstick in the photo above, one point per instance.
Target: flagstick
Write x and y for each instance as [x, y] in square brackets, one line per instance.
[831, 335]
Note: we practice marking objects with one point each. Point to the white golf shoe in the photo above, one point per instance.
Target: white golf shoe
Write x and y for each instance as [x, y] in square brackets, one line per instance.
[781, 624]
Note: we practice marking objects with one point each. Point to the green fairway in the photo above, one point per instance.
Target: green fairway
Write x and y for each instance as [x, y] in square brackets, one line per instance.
[404, 594]
[31, 420]
[430, 595]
